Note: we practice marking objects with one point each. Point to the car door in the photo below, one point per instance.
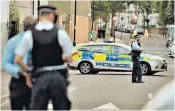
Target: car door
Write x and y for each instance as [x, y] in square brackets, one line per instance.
[100, 57]
[119, 58]
[86, 52]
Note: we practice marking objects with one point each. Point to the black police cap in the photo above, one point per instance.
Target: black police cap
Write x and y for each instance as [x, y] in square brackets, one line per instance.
[46, 8]
[138, 36]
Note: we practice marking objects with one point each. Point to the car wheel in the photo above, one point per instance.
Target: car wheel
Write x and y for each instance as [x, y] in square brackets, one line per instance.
[171, 56]
[146, 69]
[85, 67]
[95, 72]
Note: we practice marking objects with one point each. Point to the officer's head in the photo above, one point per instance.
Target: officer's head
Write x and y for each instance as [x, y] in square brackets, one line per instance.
[29, 23]
[47, 13]
[137, 37]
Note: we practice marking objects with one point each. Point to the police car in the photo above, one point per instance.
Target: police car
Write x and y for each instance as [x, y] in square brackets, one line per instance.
[95, 57]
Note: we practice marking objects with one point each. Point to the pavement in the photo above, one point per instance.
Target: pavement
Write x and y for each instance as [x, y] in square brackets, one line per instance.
[112, 90]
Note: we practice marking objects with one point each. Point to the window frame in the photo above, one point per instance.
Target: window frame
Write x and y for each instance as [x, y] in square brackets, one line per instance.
[102, 48]
[111, 49]
[81, 47]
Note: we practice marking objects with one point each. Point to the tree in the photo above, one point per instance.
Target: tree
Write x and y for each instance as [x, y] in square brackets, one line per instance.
[162, 19]
[116, 6]
[13, 18]
[169, 12]
[100, 9]
[166, 13]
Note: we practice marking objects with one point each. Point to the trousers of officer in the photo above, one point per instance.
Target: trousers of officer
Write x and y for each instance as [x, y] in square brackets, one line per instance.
[20, 94]
[50, 85]
[136, 71]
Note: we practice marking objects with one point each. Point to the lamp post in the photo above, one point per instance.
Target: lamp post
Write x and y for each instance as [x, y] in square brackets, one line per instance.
[93, 13]
[38, 10]
[75, 14]
[93, 16]
[33, 5]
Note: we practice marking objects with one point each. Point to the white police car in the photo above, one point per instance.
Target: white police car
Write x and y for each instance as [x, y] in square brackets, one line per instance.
[95, 57]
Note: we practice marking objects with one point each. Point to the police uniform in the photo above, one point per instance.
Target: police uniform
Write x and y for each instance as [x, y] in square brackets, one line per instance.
[136, 71]
[49, 45]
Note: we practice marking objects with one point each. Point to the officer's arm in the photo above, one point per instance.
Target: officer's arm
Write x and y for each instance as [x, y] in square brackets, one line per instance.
[22, 49]
[66, 44]
[136, 46]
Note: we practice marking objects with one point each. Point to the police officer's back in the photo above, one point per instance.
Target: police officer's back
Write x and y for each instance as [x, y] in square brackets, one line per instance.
[51, 47]
[136, 51]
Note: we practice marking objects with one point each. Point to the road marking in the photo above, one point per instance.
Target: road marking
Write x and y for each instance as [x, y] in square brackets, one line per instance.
[50, 106]
[74, 71]
[72, 88]
[108, 106]
[4, 103]
[4, 96]
[150, 97]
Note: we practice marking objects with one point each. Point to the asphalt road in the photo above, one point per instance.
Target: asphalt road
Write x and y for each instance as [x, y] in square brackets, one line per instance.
[112, 90]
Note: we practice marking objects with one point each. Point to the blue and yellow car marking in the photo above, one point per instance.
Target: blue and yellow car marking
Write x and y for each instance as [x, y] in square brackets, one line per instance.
[105, 57]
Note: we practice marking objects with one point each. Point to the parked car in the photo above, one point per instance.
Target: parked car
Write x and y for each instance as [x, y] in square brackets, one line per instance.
[124, 28]
[137, 30]
[128, 29]
[95, 57]
[132, 28]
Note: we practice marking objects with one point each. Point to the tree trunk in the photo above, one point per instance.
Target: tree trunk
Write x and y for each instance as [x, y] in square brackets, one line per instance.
[112, 25]
[144, 21]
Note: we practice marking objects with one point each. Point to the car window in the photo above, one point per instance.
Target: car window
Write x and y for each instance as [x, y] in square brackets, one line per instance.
[101, 48]
[118, 50]
[86, 48]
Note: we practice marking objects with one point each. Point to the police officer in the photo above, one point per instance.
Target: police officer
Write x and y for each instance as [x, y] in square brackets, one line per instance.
[136, 51]
[51, 49]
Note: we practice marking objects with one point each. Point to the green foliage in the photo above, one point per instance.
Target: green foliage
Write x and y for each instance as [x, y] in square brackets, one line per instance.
[163, 7]
[13, 16]
[169, 12]
[100, 9]
[162, 18]
[166, 13]
[118, 6]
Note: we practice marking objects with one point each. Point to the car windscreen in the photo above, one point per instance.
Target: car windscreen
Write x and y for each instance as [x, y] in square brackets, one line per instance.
[85, 48]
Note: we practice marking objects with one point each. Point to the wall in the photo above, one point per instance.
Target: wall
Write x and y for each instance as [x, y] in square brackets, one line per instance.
[82, 20]
[82, 29]
[69, 6]
[4, 19]
[158, 30]
[24, 8]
